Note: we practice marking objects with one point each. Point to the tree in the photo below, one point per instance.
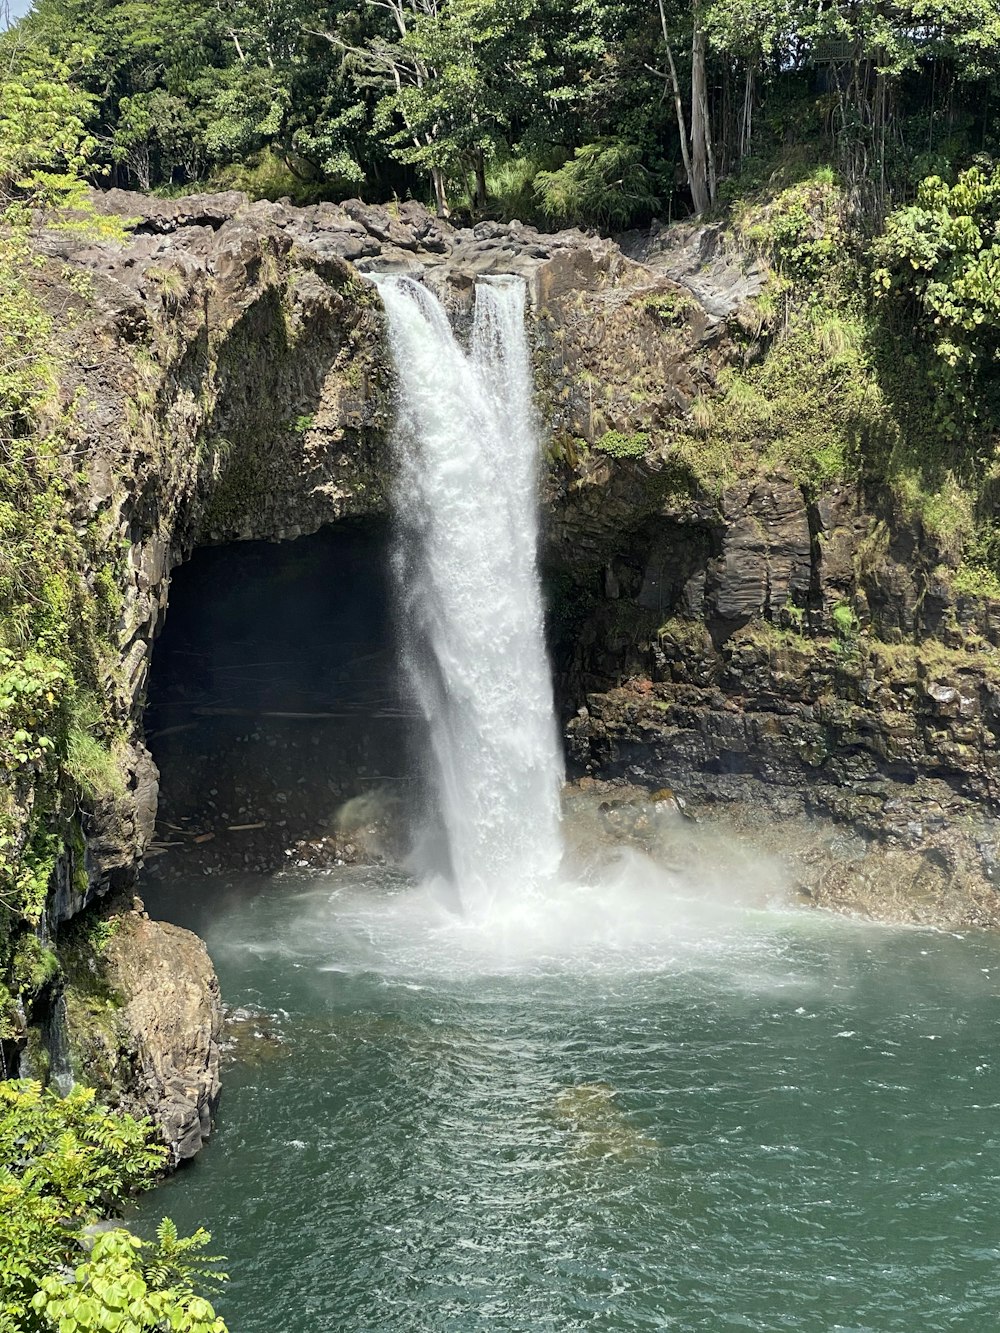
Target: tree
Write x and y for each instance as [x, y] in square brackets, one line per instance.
[43, 113]
[938, 268]
[696, 144]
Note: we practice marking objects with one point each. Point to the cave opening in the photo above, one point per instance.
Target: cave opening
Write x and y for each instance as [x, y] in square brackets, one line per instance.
[275, 713]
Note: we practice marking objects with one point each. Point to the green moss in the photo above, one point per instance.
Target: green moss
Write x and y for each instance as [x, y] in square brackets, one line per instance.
[691, 634]
[568, 449]
[785, 640]
[34, 966]
[36, 1055]
[808, 407]
[845, 622]
[98, 1044]
[10, 1018]
[621, 445]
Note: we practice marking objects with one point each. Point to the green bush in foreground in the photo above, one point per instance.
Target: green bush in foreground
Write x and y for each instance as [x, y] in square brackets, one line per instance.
[64, 1164]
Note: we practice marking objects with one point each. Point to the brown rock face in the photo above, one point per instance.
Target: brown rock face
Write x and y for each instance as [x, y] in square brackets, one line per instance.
[228, 368]
[166, 1032]
[765, 562]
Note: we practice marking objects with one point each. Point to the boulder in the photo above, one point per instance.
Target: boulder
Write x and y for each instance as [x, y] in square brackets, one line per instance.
[145, 1023]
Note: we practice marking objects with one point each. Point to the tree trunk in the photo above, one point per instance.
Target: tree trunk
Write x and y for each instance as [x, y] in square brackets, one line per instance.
[746, 116]
[678, 103]
[697, 152]
[440, 192]
[481, 191]
[701, 149]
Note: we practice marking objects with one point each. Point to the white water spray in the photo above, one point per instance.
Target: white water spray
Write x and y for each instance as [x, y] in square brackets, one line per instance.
[465, 502]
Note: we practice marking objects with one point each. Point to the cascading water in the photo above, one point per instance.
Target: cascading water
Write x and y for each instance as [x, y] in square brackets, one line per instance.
[465, 502]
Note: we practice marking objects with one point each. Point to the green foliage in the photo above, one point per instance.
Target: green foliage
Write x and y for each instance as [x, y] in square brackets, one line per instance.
[604, 185]
[54, 633]
[43, 116]
[938, 267]
[35, 966]
[619, 445]
[64, 1162]
[976, 579]
[670, 307]
[845, 622]
[55, 735]
[510, 186]
[267, 175]
[31, 687]
[378, 96]
[810, 406]
[799, 229]
[92, 765]
[117, 1290]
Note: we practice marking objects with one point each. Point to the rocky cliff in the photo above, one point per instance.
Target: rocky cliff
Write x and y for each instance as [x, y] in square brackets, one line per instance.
[760, 639]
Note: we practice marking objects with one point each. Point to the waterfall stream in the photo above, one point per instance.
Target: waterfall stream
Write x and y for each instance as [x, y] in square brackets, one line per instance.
[465, 502]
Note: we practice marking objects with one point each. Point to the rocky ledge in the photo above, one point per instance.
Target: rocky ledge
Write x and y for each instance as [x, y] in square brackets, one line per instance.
[254, 350]
[757, 658]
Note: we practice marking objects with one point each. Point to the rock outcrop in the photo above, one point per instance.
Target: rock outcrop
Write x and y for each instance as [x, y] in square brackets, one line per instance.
[227, 367]
[243, 391]
[763, 643]
[145, 1024]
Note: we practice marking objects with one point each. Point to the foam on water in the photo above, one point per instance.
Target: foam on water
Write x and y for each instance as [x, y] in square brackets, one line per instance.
[699, 903]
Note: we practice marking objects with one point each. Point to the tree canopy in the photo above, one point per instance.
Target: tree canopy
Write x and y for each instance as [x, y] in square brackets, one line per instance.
[590, 110]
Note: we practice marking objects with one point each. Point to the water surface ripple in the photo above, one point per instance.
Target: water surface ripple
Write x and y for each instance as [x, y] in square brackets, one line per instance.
[750, 1120]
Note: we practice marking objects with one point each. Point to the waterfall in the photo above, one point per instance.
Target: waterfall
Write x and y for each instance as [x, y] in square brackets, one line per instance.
[465, 501]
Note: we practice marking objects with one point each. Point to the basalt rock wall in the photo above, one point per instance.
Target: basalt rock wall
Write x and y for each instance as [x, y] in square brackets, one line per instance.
[763, 646]
[233, 383]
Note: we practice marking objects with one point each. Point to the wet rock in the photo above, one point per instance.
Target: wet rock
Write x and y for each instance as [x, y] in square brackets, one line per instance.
[171, 1024]
[778, 734]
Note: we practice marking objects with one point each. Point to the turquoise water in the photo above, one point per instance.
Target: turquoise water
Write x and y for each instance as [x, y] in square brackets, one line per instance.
[635, 1108]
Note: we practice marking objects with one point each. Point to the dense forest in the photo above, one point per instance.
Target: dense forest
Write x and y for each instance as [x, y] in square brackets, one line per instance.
[601, 112]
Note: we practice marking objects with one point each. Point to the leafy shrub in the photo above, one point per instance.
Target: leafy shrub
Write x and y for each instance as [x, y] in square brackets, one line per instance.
[43, 114]
[800, 229]
[64, 1162]
[603, 185]
[938, 265]
[845, 622]
[619, 445]
[116, 1289]
[267, 175]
